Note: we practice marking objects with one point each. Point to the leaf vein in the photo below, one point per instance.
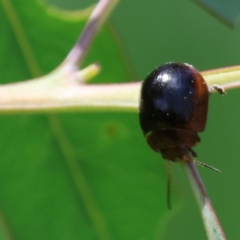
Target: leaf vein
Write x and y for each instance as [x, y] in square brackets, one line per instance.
[21, 38]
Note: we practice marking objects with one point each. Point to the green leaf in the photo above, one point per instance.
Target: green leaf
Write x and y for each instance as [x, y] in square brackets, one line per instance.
[71, 176]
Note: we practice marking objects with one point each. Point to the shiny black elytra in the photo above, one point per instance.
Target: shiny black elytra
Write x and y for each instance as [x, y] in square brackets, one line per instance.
[173, 109]
[174, 106]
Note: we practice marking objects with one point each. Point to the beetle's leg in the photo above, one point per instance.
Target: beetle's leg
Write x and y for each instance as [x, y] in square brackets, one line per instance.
[217, 88]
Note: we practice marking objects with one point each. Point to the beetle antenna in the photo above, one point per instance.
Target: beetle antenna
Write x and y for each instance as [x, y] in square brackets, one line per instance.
[189, 157]
[169, 185]
[205, 165]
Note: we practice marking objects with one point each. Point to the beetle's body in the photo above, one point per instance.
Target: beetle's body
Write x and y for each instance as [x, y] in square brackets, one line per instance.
[174, 106]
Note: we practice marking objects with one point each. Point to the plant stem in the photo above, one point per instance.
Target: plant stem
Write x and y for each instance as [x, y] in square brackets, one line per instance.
[59, 92]
[213, 228]
[97, 18]
[228, 77]
[43, 97]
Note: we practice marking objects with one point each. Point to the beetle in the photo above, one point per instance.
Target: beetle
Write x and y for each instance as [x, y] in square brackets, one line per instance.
[173, 109]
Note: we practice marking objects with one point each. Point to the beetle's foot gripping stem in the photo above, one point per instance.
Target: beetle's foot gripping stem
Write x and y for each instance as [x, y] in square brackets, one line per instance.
[217, 88]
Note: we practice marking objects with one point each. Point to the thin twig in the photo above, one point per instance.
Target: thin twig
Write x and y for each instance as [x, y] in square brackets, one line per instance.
[51, 93]
[97, 18]
[228, 77]
[43, 97]
[211, 223]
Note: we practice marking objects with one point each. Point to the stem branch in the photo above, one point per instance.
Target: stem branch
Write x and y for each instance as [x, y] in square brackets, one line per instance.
[210, 220]
[97, 18]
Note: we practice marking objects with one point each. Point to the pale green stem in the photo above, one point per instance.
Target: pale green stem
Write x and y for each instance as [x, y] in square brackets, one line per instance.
[59, 91]
[213, 228]
[228, 77]
[43, 97]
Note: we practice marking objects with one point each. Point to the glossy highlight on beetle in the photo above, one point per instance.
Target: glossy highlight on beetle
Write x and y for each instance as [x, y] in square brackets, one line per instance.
[173, 109]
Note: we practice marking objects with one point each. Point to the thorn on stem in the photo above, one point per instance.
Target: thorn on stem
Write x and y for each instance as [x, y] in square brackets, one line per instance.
[88, 73]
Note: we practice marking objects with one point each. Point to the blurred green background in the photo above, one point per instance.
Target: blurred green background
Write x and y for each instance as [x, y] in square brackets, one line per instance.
[152, 33]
